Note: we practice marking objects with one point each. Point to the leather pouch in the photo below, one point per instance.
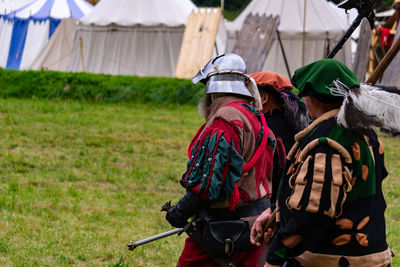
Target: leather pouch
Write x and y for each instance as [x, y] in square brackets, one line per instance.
[220, 237]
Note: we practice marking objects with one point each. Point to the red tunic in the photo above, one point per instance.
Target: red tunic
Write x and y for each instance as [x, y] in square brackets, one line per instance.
[217, 155]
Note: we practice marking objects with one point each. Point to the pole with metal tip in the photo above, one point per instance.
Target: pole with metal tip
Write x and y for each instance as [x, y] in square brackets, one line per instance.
[365, 10]
[132, 245]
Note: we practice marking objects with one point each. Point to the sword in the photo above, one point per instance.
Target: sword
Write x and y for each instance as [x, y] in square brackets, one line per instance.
[132, 245]
[189, 228]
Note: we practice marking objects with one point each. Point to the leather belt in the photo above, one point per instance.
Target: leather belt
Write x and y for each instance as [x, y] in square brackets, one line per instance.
[247, 210]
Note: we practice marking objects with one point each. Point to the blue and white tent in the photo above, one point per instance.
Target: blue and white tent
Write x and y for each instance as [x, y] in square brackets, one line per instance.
[25, 31]
[7, 6]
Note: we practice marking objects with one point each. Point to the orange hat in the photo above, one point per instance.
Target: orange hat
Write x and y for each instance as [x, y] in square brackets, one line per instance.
[396, 1]
[272, 79]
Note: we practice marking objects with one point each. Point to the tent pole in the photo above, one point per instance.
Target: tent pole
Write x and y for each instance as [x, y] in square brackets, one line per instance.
[283, 53]
[82, 58]
[304, 32]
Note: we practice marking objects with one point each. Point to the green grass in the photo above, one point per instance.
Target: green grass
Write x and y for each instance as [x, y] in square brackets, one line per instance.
[80, 180]
[391, 188]
[98, 87]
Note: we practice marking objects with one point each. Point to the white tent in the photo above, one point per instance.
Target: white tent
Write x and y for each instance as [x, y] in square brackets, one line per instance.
[57, 52]
[307, 28]
[26, 30]
[135, 37]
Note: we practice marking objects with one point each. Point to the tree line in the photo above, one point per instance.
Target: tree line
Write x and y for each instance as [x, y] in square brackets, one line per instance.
[237, 5]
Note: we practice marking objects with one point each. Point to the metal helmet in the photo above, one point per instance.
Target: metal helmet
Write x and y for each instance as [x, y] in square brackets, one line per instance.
[224, 74]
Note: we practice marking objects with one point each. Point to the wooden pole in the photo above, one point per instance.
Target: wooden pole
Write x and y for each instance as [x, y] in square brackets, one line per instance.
[82, 57]
[360, 63]
[387, 59]
[304, 32]
[283, 54]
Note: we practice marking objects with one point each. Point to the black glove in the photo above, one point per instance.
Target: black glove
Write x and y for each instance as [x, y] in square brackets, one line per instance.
[189, 205]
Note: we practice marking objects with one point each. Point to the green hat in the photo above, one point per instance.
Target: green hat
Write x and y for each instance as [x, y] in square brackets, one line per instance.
[316, 78]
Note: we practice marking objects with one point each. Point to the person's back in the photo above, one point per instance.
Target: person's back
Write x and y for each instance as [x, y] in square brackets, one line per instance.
[330, 208]
[285, 115]
[230, 159]
[277, 120]
[351, 221]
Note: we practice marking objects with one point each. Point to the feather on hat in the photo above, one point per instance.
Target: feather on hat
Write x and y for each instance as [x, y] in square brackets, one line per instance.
[330, 79]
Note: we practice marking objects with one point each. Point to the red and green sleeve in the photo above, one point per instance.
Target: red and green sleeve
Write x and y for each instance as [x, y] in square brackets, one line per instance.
[216, 163]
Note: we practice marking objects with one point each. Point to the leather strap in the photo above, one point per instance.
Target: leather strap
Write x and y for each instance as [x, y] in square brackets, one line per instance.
[248, 210]
[260, 149]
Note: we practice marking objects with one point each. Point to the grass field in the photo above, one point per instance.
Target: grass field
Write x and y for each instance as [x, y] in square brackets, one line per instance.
[79, 180]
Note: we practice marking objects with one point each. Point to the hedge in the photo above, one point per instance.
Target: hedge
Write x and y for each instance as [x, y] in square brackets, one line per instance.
[98, 87]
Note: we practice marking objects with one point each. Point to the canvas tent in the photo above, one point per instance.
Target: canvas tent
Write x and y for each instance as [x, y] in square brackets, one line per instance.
[307, 29]
[135, 37]
[57, 52]
[26, 30]
[7, 6]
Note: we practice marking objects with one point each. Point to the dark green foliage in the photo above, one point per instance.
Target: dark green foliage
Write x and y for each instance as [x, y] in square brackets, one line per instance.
[98, 87]
[381, 5]
[229, 4]
[207, 3]
[234, 5]
[385, 5]
[232, 8]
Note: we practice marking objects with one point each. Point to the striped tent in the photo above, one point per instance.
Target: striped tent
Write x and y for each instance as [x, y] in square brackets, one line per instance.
[7, 6]
[25, 31]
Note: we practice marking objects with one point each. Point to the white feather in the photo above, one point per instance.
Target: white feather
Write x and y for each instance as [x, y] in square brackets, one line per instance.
[340, 118]
[382, 104]
[372, 101]
[340, 89]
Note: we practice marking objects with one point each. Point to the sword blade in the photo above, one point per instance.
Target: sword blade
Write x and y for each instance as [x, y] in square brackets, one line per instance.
[132, 245]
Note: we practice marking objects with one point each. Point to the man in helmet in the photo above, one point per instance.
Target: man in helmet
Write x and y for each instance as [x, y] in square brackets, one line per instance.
[230, 161]
[330, 208]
